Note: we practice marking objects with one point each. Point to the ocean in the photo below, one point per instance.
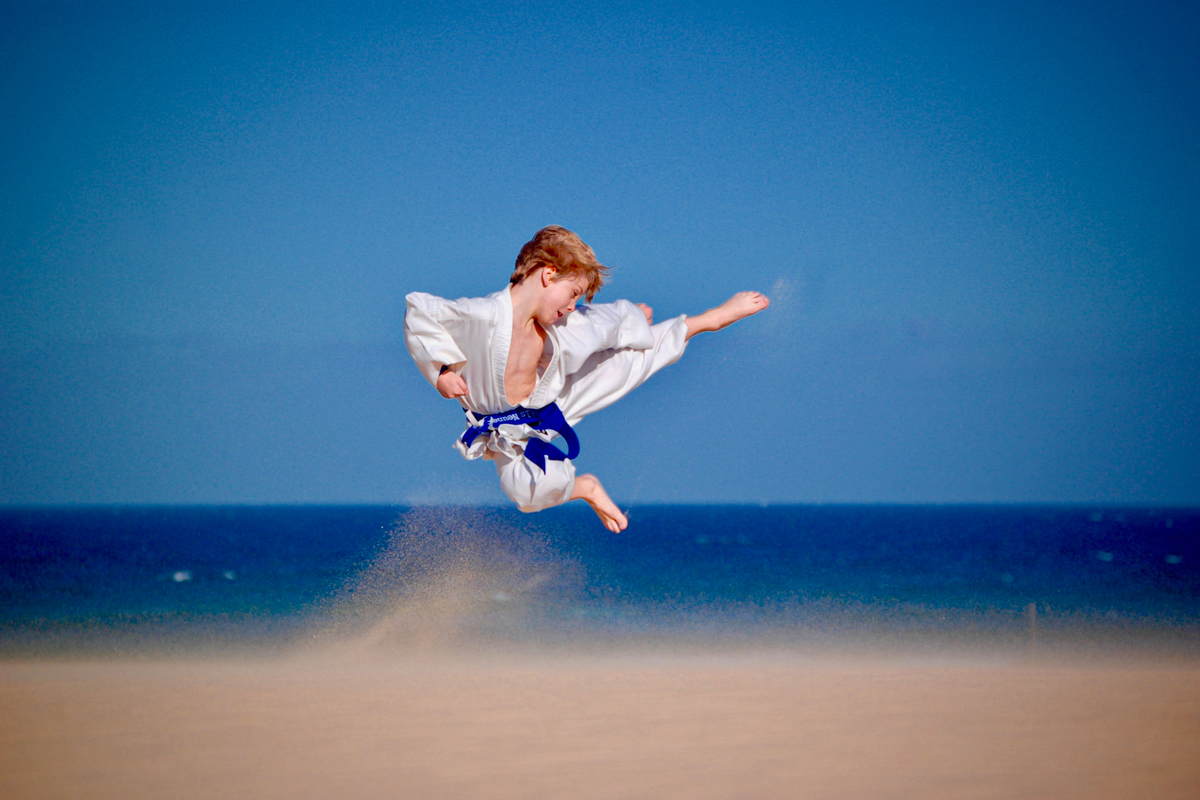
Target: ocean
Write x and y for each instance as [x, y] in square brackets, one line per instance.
[119, 580]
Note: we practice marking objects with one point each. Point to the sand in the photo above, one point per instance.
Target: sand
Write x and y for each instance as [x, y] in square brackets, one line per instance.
[769, 725]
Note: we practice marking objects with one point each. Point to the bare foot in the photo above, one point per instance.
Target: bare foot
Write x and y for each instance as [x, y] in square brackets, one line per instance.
[740, 306]
[587, 487]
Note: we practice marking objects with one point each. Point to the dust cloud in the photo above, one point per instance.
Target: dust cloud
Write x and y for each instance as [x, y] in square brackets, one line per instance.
[451, 578]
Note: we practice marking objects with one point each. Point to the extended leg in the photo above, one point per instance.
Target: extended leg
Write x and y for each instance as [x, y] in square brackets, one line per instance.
[587, 487]
[740, 306]
[611, 374]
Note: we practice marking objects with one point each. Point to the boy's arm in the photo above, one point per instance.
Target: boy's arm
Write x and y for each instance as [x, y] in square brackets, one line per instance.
[604, 326]
[450, 384]
[431, 345]
[613, 326]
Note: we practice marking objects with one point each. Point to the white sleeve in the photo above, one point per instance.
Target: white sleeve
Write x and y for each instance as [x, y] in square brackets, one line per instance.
[425, 335]
[603, 326]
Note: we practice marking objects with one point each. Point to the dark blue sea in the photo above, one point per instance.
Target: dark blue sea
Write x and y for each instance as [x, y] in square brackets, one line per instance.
[117, 579]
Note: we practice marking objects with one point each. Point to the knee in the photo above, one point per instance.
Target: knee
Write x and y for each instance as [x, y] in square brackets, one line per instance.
[524, 492]
[532, 490]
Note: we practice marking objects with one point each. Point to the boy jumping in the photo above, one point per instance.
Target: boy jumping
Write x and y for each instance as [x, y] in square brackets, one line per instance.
[527, 364]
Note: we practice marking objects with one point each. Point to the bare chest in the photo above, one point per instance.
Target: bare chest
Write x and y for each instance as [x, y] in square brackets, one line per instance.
[527, 356]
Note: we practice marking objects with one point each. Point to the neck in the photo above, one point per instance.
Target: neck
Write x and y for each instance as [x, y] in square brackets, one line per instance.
[524, 302]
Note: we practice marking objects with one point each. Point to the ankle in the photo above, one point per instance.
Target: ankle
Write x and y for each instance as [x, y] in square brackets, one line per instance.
[585, 488]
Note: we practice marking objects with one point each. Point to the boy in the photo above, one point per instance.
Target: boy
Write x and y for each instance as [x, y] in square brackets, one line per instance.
[526, 364]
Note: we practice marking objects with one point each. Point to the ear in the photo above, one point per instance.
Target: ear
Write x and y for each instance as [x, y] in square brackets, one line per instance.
[548, 275]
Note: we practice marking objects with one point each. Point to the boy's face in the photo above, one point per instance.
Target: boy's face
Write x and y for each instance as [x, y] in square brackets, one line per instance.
[559, 296]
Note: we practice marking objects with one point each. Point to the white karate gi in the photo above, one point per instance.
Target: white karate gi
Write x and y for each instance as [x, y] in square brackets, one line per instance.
[594, 356]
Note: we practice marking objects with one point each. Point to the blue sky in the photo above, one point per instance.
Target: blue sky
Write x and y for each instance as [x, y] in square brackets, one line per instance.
[977, 227]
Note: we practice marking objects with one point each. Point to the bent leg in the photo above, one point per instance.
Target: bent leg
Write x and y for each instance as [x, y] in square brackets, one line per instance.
[534, 490]
[588, 488]
[531, 488]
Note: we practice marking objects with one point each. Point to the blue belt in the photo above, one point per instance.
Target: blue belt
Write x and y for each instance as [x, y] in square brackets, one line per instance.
[548, 418]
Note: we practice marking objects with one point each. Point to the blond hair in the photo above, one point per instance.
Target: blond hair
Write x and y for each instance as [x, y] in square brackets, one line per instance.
[555, 246]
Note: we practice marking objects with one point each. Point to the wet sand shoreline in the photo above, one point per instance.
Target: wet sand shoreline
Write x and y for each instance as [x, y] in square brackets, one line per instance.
[773, 724]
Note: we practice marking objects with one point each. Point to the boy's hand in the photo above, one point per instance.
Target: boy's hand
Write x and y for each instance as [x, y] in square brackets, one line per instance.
[648, 311]
[451, 385]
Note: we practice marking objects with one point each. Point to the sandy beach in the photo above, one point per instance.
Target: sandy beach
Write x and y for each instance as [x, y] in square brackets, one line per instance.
[770, 725]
